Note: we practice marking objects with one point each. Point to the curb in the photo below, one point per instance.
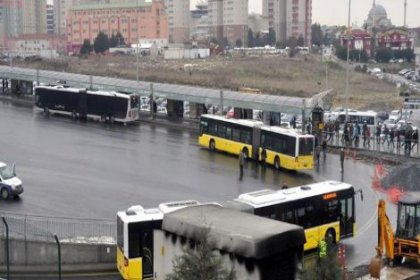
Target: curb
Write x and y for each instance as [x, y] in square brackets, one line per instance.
[65, 269]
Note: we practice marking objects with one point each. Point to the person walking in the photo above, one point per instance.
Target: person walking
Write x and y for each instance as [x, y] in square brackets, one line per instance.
[241, 165]
[342, 156]
[317, 153]
[324, 148]
[415, 138]
[263, 157]
[378, 133]
[391, 138]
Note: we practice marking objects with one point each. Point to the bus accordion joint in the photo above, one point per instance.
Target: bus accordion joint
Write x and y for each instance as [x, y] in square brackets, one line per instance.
[329, 196]
[125, 262]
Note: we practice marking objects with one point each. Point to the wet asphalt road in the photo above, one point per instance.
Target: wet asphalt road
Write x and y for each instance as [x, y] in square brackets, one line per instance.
[91, 170]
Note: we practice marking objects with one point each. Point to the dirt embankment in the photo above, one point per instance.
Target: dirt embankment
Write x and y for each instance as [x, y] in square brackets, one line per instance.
[301, 76]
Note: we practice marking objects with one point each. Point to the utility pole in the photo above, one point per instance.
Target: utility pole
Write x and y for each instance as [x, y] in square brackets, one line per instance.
[405, 13]
[138, 43]
[348, 63]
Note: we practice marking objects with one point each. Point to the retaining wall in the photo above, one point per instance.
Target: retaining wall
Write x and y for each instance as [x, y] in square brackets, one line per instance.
[28, 253]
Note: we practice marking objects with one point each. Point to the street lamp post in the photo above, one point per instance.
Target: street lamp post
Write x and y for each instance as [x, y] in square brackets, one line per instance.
[138, 42]
[348, 64]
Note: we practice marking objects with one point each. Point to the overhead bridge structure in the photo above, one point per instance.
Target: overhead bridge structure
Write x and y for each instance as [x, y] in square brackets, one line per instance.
[172, 92]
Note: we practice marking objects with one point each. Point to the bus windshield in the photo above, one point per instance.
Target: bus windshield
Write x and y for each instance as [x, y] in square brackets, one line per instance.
[306, 146]
[134, 102]
[7, 172]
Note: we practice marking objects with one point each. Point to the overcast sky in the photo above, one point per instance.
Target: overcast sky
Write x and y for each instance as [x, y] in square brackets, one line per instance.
[334, 12]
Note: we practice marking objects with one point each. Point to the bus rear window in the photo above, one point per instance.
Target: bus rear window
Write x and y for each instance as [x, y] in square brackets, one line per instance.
[120, 234]
[306, 146]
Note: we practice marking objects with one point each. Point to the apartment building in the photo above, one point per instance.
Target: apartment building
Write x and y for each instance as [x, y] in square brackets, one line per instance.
[135, 20]
[50, 19]
[289, 18]
[228, 20]
[22, 17]
[62, 8]
[178, 20]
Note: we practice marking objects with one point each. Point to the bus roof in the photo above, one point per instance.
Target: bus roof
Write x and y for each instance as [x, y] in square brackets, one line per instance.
[137, 213]
[249, 123]
[254, 123]
[268, 197]
[259, 237]
[77, 90]
[359, 113]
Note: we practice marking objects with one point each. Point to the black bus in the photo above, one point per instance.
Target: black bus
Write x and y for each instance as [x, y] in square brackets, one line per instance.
[112, 106]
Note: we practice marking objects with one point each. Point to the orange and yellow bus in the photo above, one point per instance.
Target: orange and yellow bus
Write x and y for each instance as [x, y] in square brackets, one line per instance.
[285, 148]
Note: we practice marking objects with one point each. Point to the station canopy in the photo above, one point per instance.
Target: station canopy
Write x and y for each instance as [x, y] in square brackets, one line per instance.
[265, 102]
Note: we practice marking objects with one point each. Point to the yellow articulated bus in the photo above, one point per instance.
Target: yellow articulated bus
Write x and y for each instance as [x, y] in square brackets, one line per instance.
[285, 148]
[323, 209]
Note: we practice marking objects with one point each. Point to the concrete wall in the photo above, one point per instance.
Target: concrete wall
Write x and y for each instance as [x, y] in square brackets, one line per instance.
[45, 253]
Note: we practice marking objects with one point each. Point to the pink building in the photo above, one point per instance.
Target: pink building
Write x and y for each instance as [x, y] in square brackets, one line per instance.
[359, 40]
[134, 20]
[396, 38]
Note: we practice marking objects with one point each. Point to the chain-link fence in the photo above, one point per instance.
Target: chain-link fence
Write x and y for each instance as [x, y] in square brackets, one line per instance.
[40, 228]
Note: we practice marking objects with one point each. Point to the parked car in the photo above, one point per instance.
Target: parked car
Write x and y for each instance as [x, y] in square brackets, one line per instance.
[10, 184]
[403, 72]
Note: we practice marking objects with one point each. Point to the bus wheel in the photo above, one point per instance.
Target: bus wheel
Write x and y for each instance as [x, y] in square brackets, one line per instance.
[74, 115]
[46, 110]
[245, 152]
[103, 118]
[4, 194]
[330, 236]
[212, 145]
[277, 164]
[111, 119]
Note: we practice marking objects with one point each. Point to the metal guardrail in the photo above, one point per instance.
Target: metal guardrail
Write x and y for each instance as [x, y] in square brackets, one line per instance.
[41, 228]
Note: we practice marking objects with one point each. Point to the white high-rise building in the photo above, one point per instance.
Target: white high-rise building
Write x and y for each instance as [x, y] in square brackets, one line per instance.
[22, 17]
[289, 18]
[228, 20]
[179, 20]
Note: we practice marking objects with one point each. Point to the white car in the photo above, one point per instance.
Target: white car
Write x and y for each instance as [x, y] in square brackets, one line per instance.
[395, 115]
[10, 184]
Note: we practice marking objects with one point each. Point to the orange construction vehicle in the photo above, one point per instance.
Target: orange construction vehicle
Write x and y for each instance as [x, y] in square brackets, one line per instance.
[405, 242]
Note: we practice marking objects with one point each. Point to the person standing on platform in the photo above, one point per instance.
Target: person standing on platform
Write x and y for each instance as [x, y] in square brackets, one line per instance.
[241, 165]
[342, 156]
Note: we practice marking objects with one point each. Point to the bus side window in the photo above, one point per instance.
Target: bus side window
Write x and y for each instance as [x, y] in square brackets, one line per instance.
[229, 133]
[245, 137]
[236, 134]
[213, 129]
[300, 216]
[221, 132]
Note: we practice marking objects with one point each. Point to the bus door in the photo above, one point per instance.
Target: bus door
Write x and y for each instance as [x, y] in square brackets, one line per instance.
[146, 250]
[82, 104]
[256, 142]
[346, 216]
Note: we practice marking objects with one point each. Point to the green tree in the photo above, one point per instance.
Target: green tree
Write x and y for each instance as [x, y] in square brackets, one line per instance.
[250, 38]
[292, 42]
[116, 40]
[408, 54]
[238, 43]
[317, 37]
[86, 47]
[271, 40]
[341, 52]
[200, 263]
[101, 43]
[384, 55]
[300, 41]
